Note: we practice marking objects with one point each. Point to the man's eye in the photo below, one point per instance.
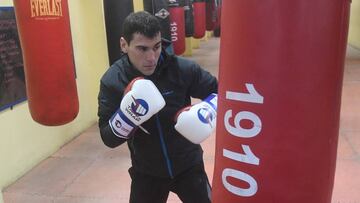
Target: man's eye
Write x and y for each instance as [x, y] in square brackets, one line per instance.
[143, 49]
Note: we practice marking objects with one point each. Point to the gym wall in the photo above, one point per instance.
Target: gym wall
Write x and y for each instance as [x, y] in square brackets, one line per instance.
[354, 30]
[25, 143]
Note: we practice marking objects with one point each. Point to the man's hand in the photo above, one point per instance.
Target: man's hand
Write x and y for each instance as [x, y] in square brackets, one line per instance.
[197, 122]
[141, 101]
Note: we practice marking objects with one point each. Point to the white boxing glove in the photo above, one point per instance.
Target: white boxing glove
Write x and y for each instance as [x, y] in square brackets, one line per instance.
[197, 122]
[141, 101]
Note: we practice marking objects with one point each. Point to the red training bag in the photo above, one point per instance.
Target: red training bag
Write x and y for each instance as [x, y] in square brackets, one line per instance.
[280, 82]
[177, 26]
[45, 37]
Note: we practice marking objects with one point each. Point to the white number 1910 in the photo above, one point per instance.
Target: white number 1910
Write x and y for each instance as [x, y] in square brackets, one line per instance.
[235, 129]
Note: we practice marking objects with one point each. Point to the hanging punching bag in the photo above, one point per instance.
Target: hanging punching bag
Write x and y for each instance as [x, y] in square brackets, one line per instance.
[177, 26]
[210, 14]
[159, 8]
[45, 37]
[217, 27]
[199, 18]
[115, 13]
[281, 69]
[189, 18]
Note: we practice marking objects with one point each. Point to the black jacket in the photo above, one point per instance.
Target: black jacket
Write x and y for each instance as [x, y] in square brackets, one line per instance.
[163, 153]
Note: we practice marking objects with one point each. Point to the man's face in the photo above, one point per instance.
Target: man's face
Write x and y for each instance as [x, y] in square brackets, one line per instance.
[143, 52]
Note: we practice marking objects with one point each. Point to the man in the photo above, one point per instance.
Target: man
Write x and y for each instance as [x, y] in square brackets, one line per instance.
[162, 159]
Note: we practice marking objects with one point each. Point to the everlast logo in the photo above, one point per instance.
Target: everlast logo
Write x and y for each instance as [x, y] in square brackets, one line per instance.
[41, 8]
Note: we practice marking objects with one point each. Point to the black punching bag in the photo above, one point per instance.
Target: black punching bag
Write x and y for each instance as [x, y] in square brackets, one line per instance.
[115, 13]
[189, 17]
[159, 8]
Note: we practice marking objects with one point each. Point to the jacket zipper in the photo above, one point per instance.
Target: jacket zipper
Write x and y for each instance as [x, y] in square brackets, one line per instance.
[163, 147]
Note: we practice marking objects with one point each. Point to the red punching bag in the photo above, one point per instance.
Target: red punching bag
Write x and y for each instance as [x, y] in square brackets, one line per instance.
[280, 81]
[199, 18]
[44, 31]
[177, 26]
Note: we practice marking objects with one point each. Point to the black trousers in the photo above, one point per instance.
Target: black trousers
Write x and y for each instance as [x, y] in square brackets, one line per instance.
[192, 186]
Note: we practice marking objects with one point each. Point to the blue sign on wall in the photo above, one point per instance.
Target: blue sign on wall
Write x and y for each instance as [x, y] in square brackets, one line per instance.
[12, 79]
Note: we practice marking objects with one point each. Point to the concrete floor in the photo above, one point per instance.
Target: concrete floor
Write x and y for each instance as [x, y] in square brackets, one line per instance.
[85, 171]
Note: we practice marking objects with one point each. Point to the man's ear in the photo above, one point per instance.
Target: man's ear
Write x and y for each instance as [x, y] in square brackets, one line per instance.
[123, 45]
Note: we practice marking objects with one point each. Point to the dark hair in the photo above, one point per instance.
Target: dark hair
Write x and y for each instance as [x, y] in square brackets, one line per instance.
[140, 22]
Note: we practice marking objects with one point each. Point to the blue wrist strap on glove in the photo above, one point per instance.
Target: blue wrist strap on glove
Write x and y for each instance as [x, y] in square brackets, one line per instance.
[212, 100]
[120, 125]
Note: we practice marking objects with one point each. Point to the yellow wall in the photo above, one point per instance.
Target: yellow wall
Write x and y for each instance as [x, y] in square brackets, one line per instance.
[188, 47]
[138, 5]
[6, 3]
[354, 31]
[24, 143]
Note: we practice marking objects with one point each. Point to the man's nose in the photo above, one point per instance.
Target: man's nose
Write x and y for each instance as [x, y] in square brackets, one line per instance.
[151, 55]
